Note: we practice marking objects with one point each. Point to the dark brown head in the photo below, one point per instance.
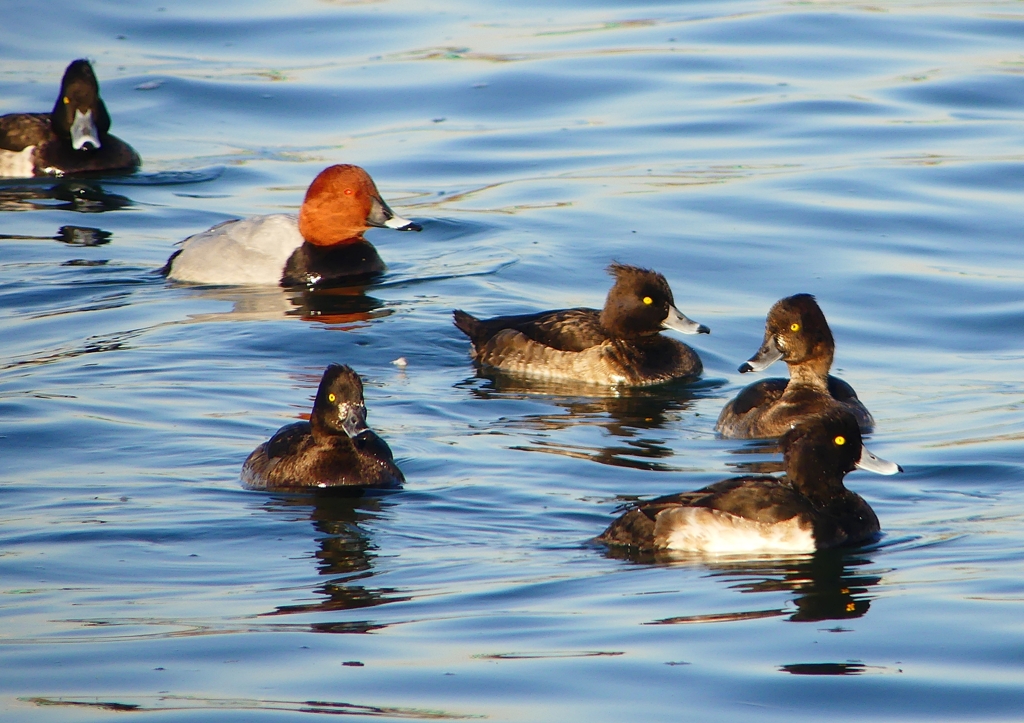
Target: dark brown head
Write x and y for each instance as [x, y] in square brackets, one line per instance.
[797, 333]
[79, 114]
[820, 450]
[341, 203]
[640, 304]
[339, 406]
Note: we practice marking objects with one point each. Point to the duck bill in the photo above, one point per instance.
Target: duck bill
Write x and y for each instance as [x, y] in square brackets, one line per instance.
[678, 321]
[767, 355]
[875, 464]
[383, 217]
[84, 131]
[353, 420]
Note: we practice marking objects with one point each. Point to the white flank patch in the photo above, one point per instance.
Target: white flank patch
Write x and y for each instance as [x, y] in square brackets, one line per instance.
[17, 164]
[699, 529]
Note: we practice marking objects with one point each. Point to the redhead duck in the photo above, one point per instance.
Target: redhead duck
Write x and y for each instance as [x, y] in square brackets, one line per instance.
[618, 345]
[797, 333]
[808, 509]
[334, 449]
[73, 138]
[322, 246]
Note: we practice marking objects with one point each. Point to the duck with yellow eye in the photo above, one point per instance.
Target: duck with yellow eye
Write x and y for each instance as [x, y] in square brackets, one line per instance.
[808, 509]
[333, 450]
[620, 344]
[796, 332]
[72, 138]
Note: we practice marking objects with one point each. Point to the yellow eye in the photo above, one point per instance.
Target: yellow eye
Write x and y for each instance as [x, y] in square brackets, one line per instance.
[794, 327]
[66, 100]
[840, 440]
[648, 300]
[331, 397]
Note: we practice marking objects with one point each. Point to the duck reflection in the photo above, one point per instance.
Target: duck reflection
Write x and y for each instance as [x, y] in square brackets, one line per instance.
[79, 195]
[749, 458]
[70, 235]
[832, 584]
[632, 417]
[338, 307]
[82, 236]
[345, 557]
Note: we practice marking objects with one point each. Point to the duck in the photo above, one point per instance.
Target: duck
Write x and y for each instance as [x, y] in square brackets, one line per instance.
[73, 138]
[796, 332]
[620, 344]
[333, 450]
[321, 246]
[808, 509]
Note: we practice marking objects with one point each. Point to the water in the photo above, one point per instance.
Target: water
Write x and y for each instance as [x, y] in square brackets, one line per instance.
[870, 154]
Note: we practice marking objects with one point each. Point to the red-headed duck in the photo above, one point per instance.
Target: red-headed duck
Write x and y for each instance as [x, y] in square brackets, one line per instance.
[322, 246]
[808, 509]
[617, 345]
[73, 138]
[797, 333]
[334, 449]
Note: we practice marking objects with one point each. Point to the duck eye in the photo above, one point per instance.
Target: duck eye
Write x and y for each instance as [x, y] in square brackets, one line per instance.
[66, 100]
[794, 327]
[840, 440]
[648, 300]
[331, 397]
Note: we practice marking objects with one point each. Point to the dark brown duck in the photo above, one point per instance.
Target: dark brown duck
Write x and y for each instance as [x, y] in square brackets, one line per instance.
[620, 344]
[796, 332]
[808, 509]
[73, 138]
[333, 449]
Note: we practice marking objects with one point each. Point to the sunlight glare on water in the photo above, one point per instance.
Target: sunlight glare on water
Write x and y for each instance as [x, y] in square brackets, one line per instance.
[870, 154]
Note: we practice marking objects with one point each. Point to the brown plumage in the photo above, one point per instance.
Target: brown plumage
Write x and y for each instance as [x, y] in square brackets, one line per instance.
[809, 507]
[620, 344]
[73, 138]
[333, 449]
[796, 332]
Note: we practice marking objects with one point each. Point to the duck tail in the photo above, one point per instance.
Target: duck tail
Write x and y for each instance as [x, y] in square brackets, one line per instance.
[467, 324]
[165, 270]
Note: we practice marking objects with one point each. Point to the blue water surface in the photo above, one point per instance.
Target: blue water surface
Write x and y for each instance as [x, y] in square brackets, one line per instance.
[870, 154]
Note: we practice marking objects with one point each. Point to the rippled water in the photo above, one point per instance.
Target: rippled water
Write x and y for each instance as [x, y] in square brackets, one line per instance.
[870, 154]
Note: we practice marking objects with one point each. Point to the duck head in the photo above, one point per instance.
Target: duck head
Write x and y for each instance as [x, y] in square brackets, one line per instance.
[339, 408]
[640, 304]
[341, 203]
[820, 450]
[796, 332]
[79, 114]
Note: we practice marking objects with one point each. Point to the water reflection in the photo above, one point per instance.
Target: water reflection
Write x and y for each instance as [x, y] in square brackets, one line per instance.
[826, 668]
[828, 585]
[82, 236]
[345, 556]
[82, 196]
[70, 235]
[754, 451]
[631, 416]
[341, 307]
[136, 703]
